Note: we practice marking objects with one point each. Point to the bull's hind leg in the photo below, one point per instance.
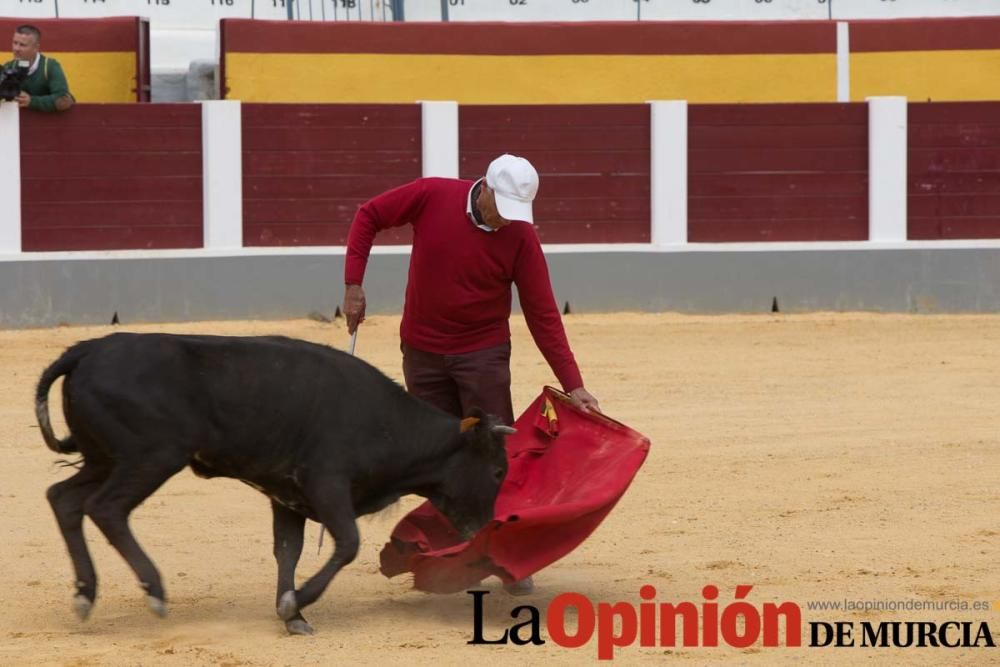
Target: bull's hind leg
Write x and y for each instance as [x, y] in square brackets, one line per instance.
[67, 498]
[332, 501]
[126, 487]
[289, 527]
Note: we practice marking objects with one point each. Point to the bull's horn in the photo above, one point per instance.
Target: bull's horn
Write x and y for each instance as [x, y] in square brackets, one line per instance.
[506, 430]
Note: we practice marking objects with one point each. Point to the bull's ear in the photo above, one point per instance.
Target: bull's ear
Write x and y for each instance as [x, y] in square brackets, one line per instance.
[468, 423]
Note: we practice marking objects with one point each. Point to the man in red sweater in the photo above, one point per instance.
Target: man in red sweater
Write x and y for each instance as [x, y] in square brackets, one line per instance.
[471, 241]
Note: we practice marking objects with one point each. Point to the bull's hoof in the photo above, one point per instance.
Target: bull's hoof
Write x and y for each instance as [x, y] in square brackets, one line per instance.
[298, 626]
[157, 606]
[524, 586]
[82, 606]
[287, 606]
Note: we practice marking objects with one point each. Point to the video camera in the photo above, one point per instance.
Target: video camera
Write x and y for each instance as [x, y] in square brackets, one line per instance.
[12, 75]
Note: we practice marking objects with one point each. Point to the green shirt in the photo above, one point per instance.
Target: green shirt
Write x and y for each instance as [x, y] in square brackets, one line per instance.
[46, 85]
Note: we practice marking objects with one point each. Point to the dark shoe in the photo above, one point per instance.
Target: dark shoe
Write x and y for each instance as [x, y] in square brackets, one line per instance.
[523, 587]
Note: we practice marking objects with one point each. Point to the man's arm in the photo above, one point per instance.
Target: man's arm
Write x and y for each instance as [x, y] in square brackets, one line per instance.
[394, 208]
[58, 98]
[534, 288]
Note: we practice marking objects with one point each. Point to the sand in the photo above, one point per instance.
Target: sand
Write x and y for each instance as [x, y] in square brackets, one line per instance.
[814, 457]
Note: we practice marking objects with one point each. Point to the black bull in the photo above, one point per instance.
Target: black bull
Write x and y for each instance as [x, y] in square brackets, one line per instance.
[324, 435]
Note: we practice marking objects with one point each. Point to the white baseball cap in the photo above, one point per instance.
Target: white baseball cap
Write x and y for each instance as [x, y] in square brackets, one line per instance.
[515, 183]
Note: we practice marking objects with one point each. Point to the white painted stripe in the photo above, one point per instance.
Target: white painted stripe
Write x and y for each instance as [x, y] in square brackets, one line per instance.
[887, 168]
[790, 246]
[187, 253]
[843, 62]
[439, 138]
[10, 178]
[668, 172]
[222, 168]
[550, 249]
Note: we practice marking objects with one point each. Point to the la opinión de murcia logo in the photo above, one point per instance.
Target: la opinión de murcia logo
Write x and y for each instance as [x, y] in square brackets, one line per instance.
[572, 620]
[739, 623]
[901, 634]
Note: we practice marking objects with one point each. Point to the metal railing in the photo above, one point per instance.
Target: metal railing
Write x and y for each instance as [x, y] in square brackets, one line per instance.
[345, 10]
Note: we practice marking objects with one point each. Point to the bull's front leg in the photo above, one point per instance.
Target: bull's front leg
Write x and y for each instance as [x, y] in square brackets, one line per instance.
[335, 509]
[289, 528]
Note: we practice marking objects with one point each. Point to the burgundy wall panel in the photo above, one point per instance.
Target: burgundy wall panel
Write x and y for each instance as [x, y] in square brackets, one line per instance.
[777, 172]
[592, 161]
[307, 168]
[130, 176]
[953, 170]
[112, 177]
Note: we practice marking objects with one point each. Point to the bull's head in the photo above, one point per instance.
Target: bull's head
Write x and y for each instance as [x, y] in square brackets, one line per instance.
[469, 490]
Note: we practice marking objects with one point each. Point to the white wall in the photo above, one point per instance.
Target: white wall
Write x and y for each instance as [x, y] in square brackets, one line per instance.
[530, 10]
[867, 9]
[734, 10]
[10, 178]
[204, 14]
[687, 10]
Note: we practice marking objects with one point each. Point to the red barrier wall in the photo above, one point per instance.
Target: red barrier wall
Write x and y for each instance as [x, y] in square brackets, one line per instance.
[790, 172]
[542, 62]
[954, 170]
[111, 177]
[307, 167]
[592, 160]
[939, 59]
[125, 176]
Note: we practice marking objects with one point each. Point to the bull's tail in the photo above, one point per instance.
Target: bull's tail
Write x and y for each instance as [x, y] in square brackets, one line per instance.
[64, 365]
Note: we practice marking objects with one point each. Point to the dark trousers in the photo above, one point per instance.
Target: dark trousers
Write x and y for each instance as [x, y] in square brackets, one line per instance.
[456, 383]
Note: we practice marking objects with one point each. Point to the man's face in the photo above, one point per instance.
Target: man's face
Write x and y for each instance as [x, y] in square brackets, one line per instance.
[25, 47]
[487, 205]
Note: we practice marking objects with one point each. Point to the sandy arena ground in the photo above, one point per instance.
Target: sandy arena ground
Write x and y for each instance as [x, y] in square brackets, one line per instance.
[816, 457]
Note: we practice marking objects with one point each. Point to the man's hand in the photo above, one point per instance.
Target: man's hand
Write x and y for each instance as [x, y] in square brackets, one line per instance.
[582, 399]
[354, 307]
[23, 100]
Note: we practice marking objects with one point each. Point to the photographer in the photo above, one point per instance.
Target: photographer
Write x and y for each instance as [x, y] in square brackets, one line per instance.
[45, 87]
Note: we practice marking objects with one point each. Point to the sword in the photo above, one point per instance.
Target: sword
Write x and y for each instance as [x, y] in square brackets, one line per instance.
[350, 351]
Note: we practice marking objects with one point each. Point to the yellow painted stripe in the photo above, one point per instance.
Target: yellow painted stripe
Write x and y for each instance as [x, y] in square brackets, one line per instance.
[99, 76]
[579, 79]
[919, 75]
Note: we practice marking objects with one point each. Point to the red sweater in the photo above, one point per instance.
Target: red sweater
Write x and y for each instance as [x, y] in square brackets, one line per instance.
[458, 294]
